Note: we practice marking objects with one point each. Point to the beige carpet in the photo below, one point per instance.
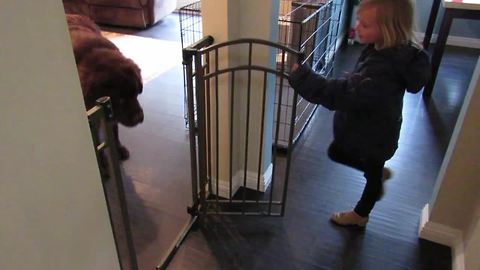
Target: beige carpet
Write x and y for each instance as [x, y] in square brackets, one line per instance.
[153, 56]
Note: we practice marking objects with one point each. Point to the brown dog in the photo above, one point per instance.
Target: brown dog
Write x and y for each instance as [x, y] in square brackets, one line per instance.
[104, 71]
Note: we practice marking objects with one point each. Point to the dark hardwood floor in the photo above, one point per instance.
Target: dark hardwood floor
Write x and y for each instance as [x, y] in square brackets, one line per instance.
[157, 179]
[157, 174]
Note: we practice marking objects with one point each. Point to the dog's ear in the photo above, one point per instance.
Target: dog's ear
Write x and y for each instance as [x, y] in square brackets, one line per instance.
[138, 76]
[131, 76]
[86, 83]
[138, 79]
[133, 71]
[94, 84]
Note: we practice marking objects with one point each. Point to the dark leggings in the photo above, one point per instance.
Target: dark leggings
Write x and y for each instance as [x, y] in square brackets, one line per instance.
[372, 169]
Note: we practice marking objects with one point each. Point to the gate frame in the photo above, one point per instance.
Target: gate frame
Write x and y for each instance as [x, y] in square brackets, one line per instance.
[193, 67]
[100, 120]
[197, 53]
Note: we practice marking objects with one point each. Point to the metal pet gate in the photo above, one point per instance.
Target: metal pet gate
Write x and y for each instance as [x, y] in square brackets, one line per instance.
[250, 187]
[100, 119]
[245, 88]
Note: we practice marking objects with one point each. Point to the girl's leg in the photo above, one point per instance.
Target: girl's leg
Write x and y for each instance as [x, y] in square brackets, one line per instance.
[373, 171]
[373, 188]
[336, 154]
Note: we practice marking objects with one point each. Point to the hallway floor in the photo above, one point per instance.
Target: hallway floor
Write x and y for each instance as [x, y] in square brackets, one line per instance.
[304, 238]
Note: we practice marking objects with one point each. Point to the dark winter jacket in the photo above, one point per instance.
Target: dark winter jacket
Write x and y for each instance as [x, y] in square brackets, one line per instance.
[368, 103]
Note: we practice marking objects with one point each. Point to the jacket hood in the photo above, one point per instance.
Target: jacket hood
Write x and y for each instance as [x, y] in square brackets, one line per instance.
[412, 63]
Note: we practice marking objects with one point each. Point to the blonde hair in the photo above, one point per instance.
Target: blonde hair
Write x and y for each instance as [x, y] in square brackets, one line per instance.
[395, 19]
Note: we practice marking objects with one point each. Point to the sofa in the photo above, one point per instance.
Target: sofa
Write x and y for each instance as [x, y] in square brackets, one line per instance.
[126, 13]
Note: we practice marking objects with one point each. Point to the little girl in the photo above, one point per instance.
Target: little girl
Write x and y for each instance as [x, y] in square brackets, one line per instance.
[368, 103]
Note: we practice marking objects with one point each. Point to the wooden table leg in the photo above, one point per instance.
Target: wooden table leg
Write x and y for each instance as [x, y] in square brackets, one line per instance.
[431, 23]
[438, 51]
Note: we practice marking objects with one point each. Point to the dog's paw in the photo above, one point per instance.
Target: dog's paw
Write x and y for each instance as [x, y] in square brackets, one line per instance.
[123, 153]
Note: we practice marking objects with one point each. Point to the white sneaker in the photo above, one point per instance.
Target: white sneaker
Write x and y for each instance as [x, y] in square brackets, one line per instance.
[349, 218]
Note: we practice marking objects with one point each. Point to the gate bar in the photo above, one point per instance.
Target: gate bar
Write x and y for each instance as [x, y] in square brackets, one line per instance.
[300, 60]
[231, 133]
[103, 111]
[217, 161]
[277, 129]
[202, 129]
[191, 132]
[262, 125]
[247, 126]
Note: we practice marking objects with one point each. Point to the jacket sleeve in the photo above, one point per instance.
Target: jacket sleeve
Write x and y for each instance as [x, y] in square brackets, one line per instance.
[353, 92]
[417, 72]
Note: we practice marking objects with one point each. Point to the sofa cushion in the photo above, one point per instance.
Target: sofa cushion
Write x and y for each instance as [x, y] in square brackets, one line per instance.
[130, 13]
[75, 7]
[117, 3]
[118, 16]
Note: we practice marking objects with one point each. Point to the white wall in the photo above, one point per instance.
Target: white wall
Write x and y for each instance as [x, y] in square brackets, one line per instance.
[53, 214]
[455, 204]
[227, 20]
[458, 188]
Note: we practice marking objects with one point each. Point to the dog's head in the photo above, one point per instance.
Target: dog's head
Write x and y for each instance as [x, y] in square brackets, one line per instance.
[107, 72]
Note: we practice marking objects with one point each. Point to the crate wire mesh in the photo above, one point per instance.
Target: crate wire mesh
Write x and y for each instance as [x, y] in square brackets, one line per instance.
[311, 26]
[308, 25]
[190, 32]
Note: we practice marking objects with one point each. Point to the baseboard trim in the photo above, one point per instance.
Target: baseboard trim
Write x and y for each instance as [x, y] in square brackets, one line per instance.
[453, 40]
[443, 235]
[237, 182]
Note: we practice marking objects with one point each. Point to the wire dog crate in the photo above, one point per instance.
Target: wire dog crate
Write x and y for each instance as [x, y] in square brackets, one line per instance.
[190, 32]
[312, 27]
[308, 25]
